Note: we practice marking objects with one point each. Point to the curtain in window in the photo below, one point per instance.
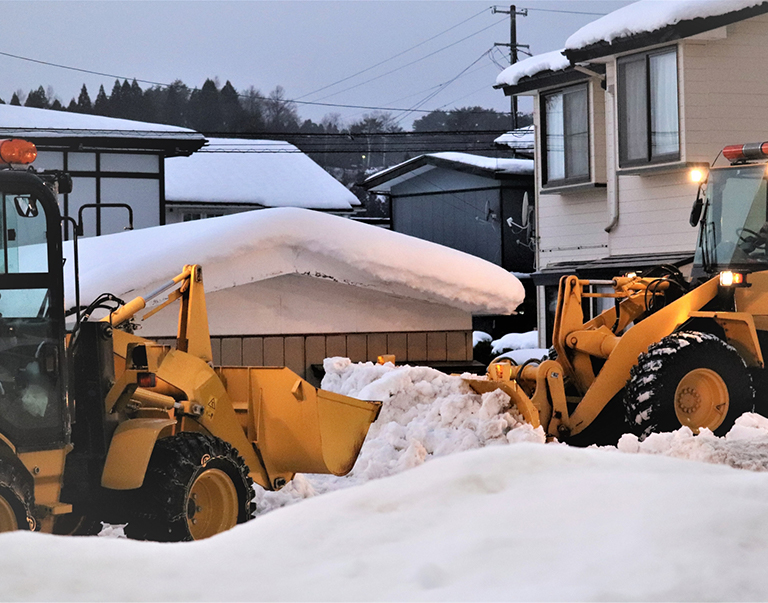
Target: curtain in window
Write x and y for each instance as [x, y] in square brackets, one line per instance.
[664, 121]
[555, 137]
[633, 110]
[576, 134]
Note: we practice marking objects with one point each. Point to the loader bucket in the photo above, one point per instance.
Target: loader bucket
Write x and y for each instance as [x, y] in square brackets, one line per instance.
[296, 427]
[517, 397]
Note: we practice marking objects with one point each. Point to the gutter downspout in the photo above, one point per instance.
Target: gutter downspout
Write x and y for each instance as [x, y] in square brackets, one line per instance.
[613, 193]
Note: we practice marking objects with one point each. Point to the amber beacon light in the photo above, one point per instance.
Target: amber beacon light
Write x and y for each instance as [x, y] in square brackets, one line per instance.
[15, 150]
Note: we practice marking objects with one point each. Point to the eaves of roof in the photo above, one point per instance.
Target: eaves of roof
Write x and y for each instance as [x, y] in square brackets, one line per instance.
[170, 144]
[670, 33]
[548, 79]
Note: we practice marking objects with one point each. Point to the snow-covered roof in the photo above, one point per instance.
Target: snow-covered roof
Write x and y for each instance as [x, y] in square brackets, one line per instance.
[271, 173]
[261, 244]
[47, 123]
[548, 61]
[521, 139]
[650, 15]
[491, 166]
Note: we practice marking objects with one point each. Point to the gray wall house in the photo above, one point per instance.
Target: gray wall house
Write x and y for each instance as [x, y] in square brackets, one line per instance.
[466, 202]
[110, 160]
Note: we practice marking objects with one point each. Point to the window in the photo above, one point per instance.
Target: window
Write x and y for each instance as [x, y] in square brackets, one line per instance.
[566, 136]
[648, 116]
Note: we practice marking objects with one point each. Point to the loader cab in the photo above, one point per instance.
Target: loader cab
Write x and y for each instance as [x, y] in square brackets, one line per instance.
[33, 413]
[733, 214]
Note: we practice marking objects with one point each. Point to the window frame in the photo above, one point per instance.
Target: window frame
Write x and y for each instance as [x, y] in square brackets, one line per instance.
[566, 180]
[621, 109]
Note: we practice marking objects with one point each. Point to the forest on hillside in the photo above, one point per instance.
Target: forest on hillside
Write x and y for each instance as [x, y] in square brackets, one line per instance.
[223, 109]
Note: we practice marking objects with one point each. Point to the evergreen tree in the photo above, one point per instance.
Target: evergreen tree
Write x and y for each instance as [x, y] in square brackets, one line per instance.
[252, 103]
[56, 105]
[72, 108]
[175, 107]
[116, 100]
[84, 101]
[15, 100]
[37, 99]
[232, 113]
[205, 108]
[101, 104]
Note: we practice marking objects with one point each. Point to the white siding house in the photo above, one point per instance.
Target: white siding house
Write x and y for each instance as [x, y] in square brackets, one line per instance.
[110, 161]
[635, 100]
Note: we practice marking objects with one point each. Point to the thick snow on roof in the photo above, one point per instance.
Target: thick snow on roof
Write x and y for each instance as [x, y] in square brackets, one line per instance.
[268, 172]
[650, 15]
[520, 522]
[548, 61]
[521, 139]
[21, 121]
[260, 244]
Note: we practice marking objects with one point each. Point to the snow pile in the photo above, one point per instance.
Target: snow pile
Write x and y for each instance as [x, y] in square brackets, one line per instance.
[524, 523]
[480, 337]
[547, 61]
[271, 173]
[257, 245]
[646, 16]
[425, 414]
[516, 341]
[745, 446]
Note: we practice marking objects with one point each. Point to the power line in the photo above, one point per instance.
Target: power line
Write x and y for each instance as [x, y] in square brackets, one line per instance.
[260, 97]
[393, 56]
[415, 61]
[568, 12]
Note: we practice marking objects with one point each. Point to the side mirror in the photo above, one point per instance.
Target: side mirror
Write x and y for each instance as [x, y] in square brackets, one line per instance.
[698, 205]
[26, 206]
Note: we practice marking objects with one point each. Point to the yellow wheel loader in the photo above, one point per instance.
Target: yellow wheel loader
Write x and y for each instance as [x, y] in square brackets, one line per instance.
[99, 424]
[665, 351]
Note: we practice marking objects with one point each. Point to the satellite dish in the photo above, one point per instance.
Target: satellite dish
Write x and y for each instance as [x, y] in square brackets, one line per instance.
[524, 211]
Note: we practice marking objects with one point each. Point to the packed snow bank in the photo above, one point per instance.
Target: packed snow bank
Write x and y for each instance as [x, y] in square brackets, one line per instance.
[257, 245]
[525, 522]
[272, 173]
[649, 15]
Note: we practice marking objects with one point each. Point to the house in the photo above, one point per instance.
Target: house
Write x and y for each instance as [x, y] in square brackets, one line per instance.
[520, 141]
[110, 160]
[290, 286]
[463, 201]
[476, 204]
[633, 102]
[234, 175]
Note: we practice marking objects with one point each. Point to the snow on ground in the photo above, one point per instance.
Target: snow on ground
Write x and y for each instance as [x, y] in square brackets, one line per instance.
[272, 173]
[527, 521]
[647, 16]
[265, 243]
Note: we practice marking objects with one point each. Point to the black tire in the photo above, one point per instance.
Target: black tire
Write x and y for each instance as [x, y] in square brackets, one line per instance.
[688, 378]
[184, 471]
[17, 496]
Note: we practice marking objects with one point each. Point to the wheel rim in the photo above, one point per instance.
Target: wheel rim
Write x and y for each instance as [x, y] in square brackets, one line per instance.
[212, 505]
[701, 400]
[8, 522]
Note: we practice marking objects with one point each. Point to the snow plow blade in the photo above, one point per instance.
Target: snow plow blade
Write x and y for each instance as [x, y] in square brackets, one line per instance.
[296, 427]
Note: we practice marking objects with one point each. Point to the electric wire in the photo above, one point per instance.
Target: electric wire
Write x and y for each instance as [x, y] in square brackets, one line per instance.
[393, 56]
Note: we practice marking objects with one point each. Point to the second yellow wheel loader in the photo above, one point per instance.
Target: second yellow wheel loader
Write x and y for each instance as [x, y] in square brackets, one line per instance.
[97, 423]
[665, 351]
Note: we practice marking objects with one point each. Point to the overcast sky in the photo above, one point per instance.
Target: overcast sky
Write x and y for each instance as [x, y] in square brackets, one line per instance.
[302, 46]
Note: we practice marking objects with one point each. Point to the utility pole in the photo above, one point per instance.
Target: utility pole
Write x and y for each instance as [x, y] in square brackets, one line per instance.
[513, 46]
